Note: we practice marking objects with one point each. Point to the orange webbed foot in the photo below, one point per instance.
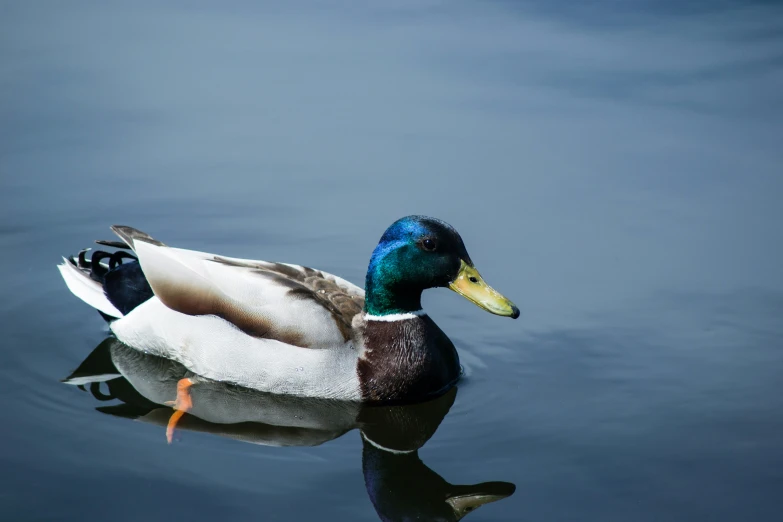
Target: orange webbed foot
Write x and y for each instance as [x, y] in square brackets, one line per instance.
[182, 405]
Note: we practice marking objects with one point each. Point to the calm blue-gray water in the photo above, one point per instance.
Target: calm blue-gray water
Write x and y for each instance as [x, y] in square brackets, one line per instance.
[614, 168]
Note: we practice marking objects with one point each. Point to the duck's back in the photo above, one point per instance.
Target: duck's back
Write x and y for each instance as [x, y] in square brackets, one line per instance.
[288, 303]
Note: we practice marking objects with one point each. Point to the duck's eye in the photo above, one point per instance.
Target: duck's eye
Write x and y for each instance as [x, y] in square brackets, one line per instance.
[429, 244]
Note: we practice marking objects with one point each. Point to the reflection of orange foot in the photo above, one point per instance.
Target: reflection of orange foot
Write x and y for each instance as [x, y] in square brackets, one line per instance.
[182, 405]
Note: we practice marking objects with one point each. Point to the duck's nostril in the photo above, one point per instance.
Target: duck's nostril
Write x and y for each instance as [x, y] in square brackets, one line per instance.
[473, 279]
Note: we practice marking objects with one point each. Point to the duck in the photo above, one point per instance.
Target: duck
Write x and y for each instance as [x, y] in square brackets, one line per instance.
[284, 328]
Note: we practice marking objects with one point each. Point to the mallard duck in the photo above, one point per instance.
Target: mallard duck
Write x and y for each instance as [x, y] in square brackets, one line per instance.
[285, 328]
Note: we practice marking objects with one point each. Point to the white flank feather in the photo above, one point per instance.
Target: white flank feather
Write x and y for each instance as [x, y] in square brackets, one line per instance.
[86, 289]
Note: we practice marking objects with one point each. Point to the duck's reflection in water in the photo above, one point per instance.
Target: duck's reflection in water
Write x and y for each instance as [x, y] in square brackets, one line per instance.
[400, 485]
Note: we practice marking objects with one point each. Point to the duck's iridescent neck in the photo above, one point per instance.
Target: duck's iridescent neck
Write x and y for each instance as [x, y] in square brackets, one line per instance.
[386, 291]
[383, 297]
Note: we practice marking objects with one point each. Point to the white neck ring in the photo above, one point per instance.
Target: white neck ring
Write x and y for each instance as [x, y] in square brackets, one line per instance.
[395, 317]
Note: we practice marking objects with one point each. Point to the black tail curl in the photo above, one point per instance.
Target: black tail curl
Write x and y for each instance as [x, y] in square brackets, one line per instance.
[119, 273]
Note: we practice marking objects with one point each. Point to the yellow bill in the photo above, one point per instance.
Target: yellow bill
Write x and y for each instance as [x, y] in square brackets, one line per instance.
[470, 285]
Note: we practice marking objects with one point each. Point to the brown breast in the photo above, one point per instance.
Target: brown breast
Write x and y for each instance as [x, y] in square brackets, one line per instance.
[405, 360]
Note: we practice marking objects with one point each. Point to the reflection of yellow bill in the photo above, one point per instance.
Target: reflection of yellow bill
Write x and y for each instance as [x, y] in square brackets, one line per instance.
[464, 504]
[470, 285]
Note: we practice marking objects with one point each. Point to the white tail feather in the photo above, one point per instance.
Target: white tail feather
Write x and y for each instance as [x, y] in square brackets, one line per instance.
[89, 379]
[86, 289]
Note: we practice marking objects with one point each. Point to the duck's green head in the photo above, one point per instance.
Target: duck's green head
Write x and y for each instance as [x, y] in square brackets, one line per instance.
[416, 253]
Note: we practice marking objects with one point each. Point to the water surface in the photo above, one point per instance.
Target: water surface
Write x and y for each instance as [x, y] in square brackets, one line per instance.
[614, 171]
